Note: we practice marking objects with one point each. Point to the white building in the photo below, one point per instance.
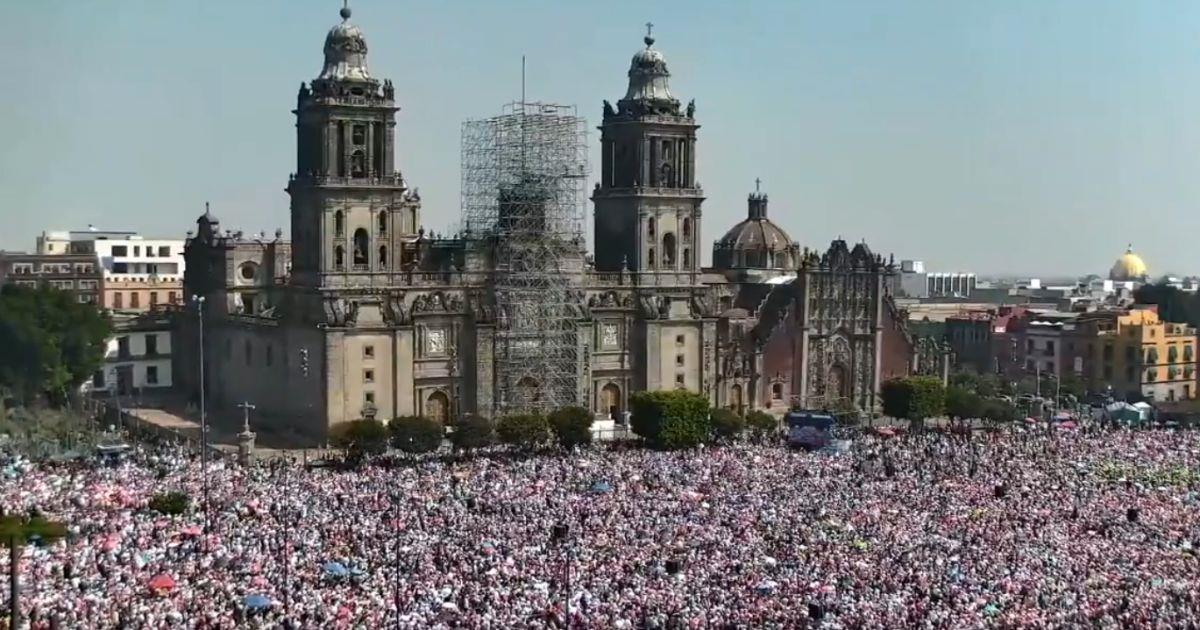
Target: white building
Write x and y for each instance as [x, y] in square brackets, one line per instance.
[137, 358]
[122, 255]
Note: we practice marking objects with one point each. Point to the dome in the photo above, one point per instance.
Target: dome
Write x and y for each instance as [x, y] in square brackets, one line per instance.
[1128, 267]
[648, 76]
[756, 243]
[208, 216]
[345, 52]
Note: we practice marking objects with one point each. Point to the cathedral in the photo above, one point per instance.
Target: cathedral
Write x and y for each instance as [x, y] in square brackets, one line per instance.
[366, 314]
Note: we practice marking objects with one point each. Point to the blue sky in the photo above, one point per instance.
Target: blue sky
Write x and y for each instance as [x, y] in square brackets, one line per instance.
[1033, 137]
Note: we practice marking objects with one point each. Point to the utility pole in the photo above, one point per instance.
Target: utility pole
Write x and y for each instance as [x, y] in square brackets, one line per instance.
[199, 300]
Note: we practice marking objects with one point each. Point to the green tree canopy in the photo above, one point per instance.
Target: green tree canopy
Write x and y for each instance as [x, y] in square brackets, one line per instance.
[360, 437]
[999, 411]
[727, 424]
[51, 343]
[472, 432]
[526, 430]
[671, 419]
[572, 426]
[962, 403]
[914, 399]
[761, 422]
[416, 434]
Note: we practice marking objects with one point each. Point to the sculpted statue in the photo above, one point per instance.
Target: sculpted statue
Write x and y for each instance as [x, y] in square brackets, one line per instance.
[691, 108]
[608, 110]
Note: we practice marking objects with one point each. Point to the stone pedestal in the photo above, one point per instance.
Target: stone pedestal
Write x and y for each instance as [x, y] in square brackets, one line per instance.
[245, 447]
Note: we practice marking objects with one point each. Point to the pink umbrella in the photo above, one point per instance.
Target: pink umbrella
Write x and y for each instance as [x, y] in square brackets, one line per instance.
[162, 583]
[190, 530]
[111, 542]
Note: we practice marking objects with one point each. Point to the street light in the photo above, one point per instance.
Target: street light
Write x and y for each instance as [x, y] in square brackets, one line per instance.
[199, 300]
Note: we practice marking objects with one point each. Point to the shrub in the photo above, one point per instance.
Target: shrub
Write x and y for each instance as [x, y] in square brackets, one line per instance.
[671, 419]
[171, 503]
[761, 422]
[359, 437]
[572, 426]
[961, 403]
[416, 434]
[526, 430]
[999, 411]
[914, 399]
[473, 432]
[727, 424]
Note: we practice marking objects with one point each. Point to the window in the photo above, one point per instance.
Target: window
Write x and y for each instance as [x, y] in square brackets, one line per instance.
[134, 301]
[368, 376]
[339, 223]
[153, 299]
[120, 251]
[164, 251]
[1152, 355]
[1151, 375]
[152, 374]
[358, 164]
[172, 297]
[120, 267]
[679, 381]
[383, 218]
[650, 258]
[650, 227]
[368, 352]
[360, 250]
[247, 271]
[98, 379]
[1049, 347]
[680, 340]
[369, 397]
[248, 303]
[151, 344]
[123, 347]
[777, 391]
[1187, 353]
[687, 229]
[687, 258]
[359, 135]
[668, 247]
[382, 256]
[339, 258]
[1172, 354]
[1187, 391]
[137, 251]
[679, 360]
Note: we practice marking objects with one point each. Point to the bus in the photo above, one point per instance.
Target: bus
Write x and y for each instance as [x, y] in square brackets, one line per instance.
[810, 430]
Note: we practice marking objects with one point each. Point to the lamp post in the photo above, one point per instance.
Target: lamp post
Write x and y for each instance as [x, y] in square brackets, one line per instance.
[199, 300]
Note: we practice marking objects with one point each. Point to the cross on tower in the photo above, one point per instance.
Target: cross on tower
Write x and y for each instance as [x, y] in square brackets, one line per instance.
[649, 29]
[757, 185]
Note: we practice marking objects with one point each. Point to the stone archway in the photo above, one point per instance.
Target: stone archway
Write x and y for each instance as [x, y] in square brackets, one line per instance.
[837, 385]
[437, 407]
[735, 399]
[610, 401]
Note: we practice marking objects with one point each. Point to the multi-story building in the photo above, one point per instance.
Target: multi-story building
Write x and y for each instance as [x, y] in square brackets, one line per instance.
[1135, 354]
[139, 274]
[137, 358]
[75, 273]
[366, 312]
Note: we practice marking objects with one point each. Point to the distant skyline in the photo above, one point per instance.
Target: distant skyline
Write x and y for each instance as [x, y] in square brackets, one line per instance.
[1021, 137]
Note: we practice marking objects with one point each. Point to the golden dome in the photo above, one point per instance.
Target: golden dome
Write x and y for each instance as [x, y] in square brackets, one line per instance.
[1129, 266]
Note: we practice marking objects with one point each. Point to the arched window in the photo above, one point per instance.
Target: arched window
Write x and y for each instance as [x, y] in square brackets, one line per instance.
[610, 401]
[687, 229]
[339, 258]
[360, 249]
[437, 407]
[687, 258]
[668, 246]
[383, 256]
[358, 164]
[383, 220]
[650, 227]
[650, 259]
[339, 223]
[777, 391]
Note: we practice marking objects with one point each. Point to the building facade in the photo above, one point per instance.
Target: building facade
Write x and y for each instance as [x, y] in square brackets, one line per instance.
[366, 313]
[138, 274]
[75, 273]
[137, 358]
[1134, 354]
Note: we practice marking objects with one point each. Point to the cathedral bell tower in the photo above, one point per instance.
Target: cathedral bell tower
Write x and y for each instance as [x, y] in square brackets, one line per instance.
[352, 213]
[647, 203]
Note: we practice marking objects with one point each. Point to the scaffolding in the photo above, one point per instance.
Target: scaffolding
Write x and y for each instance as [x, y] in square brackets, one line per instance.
[524, 178]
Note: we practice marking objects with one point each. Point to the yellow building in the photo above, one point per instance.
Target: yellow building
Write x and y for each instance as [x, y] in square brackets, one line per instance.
[1136, 352]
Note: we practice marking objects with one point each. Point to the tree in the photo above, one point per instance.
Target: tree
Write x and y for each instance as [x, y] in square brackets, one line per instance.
[998, 411]
[526, 430]
[473, 432]
[416, 434]
[727, 424]
[171, 503]
[360, 437]
[761, 423]
[52, 343]
[963, 404]
[572, 426]
[847, 413]
[17, 531]
[671, 419]
[914, 399]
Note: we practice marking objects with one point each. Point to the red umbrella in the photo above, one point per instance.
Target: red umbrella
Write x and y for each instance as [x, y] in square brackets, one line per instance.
[886, 431]
[162, 583]
[190, 530]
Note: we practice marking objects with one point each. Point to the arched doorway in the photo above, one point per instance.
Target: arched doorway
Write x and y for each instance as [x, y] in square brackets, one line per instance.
[836, 385]
[735, 399]
[437, 407]
[610, 401]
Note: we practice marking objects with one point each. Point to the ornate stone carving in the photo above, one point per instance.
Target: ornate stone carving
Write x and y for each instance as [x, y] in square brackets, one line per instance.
[394, 312]
[340, 312]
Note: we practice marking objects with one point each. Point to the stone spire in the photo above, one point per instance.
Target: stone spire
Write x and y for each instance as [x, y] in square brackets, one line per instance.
[345, 52]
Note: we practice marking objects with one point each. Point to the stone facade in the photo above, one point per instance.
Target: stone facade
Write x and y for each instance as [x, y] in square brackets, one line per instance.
[365, 309]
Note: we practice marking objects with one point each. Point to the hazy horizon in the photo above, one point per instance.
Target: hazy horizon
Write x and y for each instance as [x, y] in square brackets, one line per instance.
[1003, 138]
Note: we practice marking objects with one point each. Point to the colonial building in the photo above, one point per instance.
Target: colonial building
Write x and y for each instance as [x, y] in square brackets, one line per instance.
[366, 313]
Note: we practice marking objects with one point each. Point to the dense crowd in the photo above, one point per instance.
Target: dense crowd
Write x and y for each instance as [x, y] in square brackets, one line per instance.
[1096, 530]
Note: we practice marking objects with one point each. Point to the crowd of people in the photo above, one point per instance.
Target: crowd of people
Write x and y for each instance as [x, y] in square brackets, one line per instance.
[1036, 530]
